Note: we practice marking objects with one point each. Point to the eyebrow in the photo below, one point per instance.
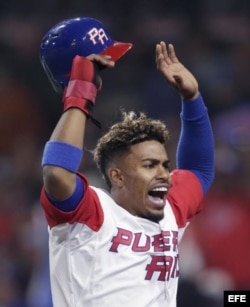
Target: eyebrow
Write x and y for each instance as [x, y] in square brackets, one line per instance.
[156, 160]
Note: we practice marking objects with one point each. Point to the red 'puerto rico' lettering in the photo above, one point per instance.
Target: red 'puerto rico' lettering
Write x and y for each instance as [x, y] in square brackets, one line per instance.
[175, 240]
[123, 237]
[162, 266]
[162, 242]
[165, 265]
[136, 247]
[175, 271]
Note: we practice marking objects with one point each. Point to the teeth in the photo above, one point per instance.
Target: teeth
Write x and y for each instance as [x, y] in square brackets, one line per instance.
[160, 189]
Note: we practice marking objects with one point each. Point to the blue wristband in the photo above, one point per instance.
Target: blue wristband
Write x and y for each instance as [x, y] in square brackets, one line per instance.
[62, 155]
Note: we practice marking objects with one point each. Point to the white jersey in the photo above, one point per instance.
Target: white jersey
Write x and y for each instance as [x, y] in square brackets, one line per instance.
[101, 255]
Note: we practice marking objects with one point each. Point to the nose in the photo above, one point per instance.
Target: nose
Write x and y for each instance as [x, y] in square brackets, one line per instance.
[163, 174]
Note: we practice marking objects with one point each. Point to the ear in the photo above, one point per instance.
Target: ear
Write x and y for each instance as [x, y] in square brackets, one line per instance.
[116, 177]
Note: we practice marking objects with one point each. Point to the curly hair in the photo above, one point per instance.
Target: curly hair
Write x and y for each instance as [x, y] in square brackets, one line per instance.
[133, 129]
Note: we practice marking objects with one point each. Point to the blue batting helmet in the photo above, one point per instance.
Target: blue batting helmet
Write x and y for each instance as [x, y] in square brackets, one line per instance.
[77, 36]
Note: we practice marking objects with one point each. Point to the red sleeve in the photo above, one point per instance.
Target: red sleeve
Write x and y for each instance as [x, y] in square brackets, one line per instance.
[185, 196]
[89, 210]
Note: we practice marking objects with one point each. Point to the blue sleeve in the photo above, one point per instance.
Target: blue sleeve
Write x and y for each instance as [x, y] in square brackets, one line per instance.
[195, 151]
[71, 202]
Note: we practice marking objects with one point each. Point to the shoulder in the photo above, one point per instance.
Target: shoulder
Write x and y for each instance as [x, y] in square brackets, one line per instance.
[185, 196]
[89, 210]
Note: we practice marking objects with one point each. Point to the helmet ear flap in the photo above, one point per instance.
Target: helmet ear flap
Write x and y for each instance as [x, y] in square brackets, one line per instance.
[77, 36]
[58, 88]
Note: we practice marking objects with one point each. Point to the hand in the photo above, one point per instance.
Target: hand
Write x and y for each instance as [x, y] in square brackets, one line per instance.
[175, 72]
[85, 82]
[102, 61]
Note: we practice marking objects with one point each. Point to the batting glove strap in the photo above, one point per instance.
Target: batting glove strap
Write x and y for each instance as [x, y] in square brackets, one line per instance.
[81, 89]
[83, 86]
[80, 94]
[73, 102]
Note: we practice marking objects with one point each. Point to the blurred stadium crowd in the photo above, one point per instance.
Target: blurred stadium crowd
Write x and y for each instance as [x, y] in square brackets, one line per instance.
[212, 38]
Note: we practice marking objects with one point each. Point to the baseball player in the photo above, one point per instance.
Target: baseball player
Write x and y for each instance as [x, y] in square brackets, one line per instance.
[119, 247]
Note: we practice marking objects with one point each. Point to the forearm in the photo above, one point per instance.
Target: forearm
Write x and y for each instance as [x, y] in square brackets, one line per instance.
[63, 153]
[195, 150]
[71, 128]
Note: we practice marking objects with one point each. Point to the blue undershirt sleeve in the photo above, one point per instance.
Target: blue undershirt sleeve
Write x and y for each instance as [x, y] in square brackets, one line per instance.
[195, 150]
[70, 203]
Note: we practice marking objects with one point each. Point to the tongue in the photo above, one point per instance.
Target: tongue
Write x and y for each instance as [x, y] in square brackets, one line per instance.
[156, 201]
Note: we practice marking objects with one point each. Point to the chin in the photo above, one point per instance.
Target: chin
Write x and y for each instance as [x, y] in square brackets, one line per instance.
[156, 218]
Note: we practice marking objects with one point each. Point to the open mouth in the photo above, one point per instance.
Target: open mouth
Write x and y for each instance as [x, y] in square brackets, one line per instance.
[157, 196]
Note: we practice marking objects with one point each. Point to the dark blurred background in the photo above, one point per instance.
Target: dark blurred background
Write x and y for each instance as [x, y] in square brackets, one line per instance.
[212, 38]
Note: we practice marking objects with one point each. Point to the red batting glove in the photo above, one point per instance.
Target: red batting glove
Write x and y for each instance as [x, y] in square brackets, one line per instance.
[83, 86]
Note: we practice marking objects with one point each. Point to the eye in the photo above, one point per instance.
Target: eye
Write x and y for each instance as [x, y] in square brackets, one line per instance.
[149, 166]
[166, 165]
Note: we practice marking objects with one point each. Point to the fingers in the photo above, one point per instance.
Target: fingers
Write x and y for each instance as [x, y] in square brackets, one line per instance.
[159, 57]
[165, 53]
[171, 53]
[102, 60]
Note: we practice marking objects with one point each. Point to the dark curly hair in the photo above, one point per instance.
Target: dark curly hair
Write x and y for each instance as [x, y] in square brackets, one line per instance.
[133, 129]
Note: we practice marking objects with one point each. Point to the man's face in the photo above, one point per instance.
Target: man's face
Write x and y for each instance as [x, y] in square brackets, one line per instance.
[145, 180]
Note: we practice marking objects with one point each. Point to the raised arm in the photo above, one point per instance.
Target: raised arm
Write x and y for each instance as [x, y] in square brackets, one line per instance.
[195, 150]
[63, 152]
[175, 72]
